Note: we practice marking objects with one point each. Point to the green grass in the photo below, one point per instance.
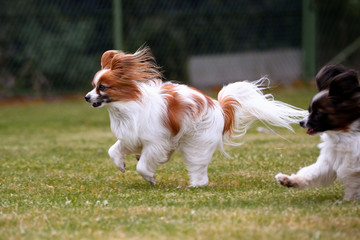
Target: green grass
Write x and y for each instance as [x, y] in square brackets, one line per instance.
[57, 182]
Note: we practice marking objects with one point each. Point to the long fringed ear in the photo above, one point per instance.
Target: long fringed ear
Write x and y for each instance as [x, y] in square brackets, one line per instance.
[144, 54]
[344, 84]
[140, 66]
[107, 58]
[149, 67]
[326, 75]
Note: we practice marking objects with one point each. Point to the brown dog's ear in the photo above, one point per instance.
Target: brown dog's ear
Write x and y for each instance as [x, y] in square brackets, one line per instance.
[140, 66]
[344, 85]
[107, 58]
[326, 75]
[122, 62]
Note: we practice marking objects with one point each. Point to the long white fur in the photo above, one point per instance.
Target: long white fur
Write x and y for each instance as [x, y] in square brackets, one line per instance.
[139, 128]
[258, 106]
[339, 158]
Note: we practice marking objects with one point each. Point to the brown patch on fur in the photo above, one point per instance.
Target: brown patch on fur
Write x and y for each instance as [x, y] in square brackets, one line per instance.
[177, 108]
[228, 106]
[118, 89]
[201, 105]
[200, 101]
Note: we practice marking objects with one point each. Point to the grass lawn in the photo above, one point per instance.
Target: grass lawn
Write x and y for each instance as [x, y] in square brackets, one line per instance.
[57, 182]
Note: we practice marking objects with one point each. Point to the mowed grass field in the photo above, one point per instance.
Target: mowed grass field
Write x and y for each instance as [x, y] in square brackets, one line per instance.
[57, 182]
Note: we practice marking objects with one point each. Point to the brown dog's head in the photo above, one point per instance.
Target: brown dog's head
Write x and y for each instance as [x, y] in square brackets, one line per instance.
[121, 73]
[337, 104]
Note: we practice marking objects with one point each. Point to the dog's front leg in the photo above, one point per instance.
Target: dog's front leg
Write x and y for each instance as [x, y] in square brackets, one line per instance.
[117, 155]
[317, 174]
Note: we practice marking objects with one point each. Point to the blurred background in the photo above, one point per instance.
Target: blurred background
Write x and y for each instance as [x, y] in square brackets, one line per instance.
[54, 46]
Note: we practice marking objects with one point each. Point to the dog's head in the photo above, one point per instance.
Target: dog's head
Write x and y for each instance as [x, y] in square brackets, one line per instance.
[337, 104]
[119, 77]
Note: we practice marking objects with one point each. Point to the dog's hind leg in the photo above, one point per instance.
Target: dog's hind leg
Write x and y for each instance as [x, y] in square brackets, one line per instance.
[198, 174]
[352, 186]
[151, 158]
[197, 160]
[117, 155]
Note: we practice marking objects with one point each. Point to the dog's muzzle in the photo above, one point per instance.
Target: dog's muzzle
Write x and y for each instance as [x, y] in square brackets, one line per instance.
[303, 123]
[87, 98]
[98, 101]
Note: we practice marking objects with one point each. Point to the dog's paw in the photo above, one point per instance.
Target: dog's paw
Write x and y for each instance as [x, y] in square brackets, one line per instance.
[202, 183]
[121, 166]
[151, 180]
[285, 180]
[196, 185]
[123, 169]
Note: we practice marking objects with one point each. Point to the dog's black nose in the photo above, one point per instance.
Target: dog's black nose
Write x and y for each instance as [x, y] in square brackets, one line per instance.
[302, 123]
[87, 98]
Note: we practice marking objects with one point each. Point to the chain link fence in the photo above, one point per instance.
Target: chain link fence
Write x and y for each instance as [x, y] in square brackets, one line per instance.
[56, 45]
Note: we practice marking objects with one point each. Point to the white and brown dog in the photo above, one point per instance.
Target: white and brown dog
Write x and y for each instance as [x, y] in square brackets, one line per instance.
[152, 118]
[335, 112]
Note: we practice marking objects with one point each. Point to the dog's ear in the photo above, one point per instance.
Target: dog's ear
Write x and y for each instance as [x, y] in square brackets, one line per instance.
[122, 62]
[107, 58]
[140, 66]
[344, 85]
[141, 59]
[326, 75]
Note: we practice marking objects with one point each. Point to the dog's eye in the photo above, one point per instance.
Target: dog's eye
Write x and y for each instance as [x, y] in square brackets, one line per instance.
[101, 87]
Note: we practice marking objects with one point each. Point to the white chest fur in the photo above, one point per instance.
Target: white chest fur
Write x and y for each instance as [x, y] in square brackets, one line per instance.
[342, 151]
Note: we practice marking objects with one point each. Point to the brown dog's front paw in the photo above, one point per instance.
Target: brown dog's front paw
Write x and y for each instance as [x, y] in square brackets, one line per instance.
[285, 180]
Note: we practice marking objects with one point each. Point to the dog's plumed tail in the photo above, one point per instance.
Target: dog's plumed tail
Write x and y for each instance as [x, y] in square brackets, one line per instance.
[244, 102]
